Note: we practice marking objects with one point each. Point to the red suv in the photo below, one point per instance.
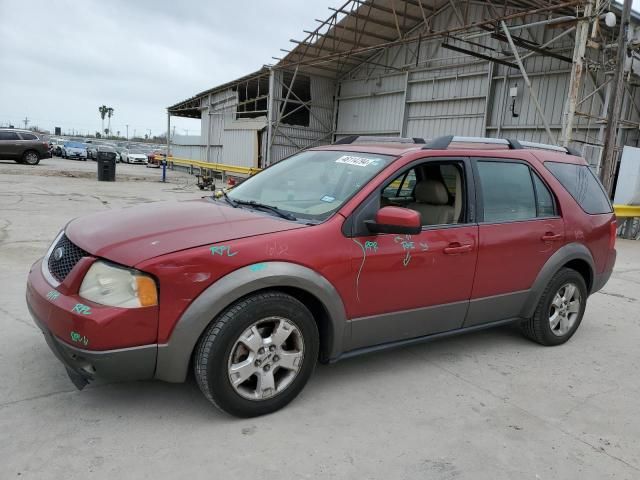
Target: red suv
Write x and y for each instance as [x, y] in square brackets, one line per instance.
[337, 251]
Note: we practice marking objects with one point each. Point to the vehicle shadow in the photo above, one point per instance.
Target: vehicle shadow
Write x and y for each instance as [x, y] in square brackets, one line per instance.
[186, 401]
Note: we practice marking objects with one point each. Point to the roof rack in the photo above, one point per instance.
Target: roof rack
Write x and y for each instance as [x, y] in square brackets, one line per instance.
[375, 139]
[442, 143]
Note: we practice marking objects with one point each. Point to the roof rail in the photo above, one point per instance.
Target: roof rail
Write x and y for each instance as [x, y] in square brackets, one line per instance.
[375, 139]
[442, 143]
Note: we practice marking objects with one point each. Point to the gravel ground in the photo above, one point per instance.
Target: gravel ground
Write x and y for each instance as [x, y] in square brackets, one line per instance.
[488, 405]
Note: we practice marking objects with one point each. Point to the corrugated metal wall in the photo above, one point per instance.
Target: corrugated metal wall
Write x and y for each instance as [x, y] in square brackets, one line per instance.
[226, 139]
[289, 139]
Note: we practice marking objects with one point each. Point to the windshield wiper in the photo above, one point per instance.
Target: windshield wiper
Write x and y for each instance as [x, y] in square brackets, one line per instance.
[228, 199]
[271, 208]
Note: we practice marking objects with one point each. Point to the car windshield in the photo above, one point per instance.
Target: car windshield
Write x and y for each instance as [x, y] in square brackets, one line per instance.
[74, 145]
[313, 184]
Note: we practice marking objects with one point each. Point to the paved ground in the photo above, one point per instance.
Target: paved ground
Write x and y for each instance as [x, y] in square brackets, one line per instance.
[490, 405]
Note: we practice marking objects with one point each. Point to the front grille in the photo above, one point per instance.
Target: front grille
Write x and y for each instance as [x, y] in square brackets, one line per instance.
[71, 254]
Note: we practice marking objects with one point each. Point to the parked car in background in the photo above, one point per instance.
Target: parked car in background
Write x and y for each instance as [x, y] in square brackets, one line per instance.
[74, 150]
[155, 158]
[57, 147]
[23, 146]
[135, 156]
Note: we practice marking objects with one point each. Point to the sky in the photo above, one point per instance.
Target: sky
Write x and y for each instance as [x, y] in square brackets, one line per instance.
[59, 61]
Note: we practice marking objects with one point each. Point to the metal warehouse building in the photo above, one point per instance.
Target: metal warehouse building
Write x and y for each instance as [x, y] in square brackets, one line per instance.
[544, 71]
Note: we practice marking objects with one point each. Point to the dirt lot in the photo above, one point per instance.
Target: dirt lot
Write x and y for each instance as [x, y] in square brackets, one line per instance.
[490, 405]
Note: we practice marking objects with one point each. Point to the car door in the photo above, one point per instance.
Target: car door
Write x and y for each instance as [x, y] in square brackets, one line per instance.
[9, 145]
[409, 286]
[519, 229]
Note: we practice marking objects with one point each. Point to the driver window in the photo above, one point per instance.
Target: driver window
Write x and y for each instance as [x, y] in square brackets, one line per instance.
[434, 190]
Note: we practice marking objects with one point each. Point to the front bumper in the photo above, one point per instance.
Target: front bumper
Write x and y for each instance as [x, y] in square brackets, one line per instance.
[61, 326]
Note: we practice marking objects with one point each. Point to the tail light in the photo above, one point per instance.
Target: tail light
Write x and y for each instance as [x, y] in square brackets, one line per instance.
[613, 232]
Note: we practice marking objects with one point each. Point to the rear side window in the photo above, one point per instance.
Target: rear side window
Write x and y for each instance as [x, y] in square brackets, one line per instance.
[9, 136]
[507, 191]
[546, 206]
[583, 186]
[28, 136]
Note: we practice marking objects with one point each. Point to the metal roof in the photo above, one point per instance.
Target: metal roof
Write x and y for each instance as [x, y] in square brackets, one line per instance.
[360, 28]
[191, 106]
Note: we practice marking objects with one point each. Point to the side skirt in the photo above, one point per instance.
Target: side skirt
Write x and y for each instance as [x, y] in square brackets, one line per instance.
[427, 338]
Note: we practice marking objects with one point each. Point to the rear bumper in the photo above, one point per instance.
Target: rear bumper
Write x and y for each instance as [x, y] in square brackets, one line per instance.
[601, 279]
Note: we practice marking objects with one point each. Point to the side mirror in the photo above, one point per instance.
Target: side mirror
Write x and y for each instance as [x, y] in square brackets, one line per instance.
[395, 220]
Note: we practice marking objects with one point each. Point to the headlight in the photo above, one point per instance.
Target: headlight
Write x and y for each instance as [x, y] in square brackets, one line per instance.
[118, 287]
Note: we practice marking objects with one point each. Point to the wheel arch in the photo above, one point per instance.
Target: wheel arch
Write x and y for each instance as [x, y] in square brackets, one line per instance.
[573, 255]
[304, 284]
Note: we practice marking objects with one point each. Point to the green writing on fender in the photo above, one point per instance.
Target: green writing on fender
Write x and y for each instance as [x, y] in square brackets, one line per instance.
[77, 338]
[82, 309]
[53, 295]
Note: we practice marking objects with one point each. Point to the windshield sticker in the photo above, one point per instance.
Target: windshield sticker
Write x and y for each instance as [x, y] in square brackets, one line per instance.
[82, 309]
[327, 198]
[356, 161]
[223, 250]
[77, 338]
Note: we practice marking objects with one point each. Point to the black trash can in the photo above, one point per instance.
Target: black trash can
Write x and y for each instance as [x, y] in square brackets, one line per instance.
[106, 164]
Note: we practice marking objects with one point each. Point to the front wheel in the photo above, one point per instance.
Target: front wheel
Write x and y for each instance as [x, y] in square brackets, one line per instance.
[257, 355]
[559, 311]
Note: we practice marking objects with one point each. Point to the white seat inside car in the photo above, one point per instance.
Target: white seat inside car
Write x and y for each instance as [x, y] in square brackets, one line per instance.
[432, 202]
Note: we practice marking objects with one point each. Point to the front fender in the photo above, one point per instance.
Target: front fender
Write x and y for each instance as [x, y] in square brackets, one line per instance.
[571, 251]
[175, 355]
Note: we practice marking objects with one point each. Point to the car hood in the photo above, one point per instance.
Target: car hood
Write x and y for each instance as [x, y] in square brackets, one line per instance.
[132, 235]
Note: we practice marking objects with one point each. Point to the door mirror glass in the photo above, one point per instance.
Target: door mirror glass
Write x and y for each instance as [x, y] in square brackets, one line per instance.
[395, 220]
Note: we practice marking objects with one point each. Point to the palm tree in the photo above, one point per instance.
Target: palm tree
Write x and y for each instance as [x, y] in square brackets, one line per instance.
[110, 111]
[103, 112]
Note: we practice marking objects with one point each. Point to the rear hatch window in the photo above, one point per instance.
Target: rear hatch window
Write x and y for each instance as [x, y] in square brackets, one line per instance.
[583, 186]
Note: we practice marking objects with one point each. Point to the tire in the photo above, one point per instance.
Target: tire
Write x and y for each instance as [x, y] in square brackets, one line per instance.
[557, 317]
[31, 157]
[231, 339]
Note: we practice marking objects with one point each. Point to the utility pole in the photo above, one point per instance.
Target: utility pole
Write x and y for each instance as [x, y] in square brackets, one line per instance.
[149, 130]
[26, 122]
[609, 158]
[127, 131]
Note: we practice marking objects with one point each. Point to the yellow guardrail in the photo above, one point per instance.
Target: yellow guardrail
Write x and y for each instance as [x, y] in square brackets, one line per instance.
[627, 211]
[219, 167]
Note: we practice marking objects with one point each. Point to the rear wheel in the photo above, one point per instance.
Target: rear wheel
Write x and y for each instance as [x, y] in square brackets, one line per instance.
[258, 355]
[560, 310]
[31, 157]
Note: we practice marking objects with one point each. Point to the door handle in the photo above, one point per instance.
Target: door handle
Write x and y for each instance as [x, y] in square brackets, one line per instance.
[550, 237]
[457, 248]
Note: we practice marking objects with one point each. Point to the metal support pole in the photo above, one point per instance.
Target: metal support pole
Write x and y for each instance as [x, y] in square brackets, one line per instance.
[270, 106]
[582, 35]
[609, 158]
[527, 81]
[168, 134]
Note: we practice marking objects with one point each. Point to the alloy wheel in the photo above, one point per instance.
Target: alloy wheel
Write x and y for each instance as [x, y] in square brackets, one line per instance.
[266, 358]
[564, 309]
